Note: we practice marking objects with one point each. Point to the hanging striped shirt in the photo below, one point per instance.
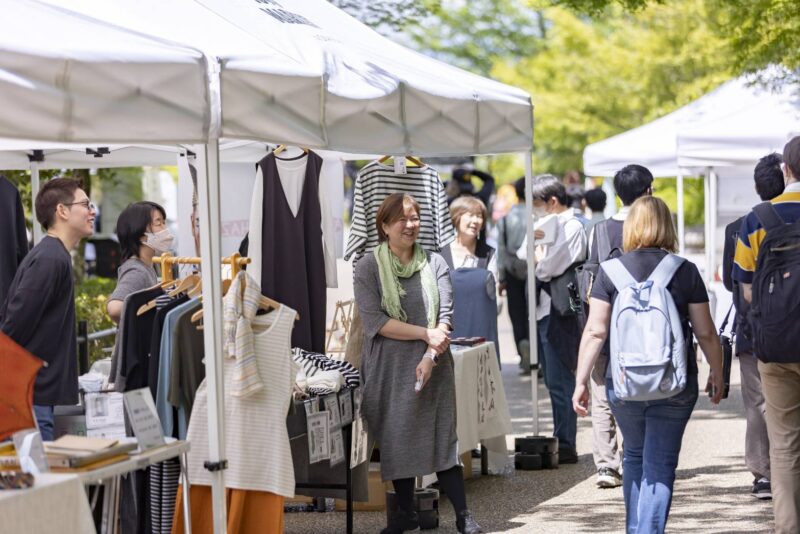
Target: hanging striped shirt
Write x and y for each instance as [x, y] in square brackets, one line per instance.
[374, 183]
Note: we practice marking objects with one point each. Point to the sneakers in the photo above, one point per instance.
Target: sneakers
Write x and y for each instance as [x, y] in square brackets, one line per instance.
[466, 524]
[608, 478]
[762, 489]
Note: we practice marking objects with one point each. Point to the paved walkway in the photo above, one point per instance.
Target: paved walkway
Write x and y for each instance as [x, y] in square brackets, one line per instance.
[711, 493]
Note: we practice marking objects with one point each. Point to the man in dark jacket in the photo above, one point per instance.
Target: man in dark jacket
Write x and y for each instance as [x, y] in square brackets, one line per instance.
[769, 184]
[39, 312]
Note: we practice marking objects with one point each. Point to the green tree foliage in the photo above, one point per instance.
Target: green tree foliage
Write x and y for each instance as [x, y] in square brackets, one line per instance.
[91, 296]
[597, 78]
[757, 33]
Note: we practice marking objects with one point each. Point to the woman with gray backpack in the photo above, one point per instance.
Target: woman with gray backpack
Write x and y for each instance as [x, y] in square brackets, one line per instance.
[649, 302]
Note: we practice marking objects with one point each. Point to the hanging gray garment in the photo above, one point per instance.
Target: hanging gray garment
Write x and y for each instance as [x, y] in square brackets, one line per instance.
[416, 432]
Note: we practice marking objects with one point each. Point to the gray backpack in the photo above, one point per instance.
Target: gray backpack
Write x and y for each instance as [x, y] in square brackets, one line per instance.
[648, 354]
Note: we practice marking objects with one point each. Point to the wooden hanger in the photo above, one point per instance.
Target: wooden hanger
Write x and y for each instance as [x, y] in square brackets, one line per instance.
[264, 303]
[412, 159]
[185, 285]
[281, 148]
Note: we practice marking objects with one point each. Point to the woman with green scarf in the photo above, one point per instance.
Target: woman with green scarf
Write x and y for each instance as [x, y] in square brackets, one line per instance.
[405, 299]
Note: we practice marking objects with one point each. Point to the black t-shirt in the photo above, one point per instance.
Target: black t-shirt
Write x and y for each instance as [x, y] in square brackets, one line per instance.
[137, 332]
[39, 314]
[686, 287]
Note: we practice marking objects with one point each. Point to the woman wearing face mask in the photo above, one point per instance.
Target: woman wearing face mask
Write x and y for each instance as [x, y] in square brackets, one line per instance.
[142, 233]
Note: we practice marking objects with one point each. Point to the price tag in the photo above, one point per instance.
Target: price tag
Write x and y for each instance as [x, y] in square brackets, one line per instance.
[358, 451]
[337, 447]
[346, 406]
[399, 165]
[318, 437]
[357, 397]
[332, 407]
[311, 406]
[144, 418]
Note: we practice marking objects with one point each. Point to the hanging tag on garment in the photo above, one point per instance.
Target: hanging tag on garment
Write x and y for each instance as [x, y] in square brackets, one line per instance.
[399, 165]
[337, 447]
[332, 407]
[346, 406]
[318, 437]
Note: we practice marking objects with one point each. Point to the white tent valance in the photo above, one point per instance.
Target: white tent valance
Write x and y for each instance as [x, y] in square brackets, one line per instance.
[68, 77]
[306, 73]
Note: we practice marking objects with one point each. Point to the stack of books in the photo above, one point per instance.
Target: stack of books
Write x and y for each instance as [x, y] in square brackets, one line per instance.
[72, 452]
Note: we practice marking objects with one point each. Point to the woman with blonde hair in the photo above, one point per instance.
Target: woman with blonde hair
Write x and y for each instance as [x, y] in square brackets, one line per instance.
[652, 429]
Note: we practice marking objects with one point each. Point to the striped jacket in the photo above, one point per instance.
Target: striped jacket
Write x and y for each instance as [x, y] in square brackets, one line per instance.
[374, 183]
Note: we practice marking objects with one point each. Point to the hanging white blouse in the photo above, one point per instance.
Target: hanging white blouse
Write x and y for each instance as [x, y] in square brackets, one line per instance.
[292, 174]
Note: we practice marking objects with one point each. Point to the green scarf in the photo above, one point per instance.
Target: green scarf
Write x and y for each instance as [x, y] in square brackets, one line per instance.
[391, 270]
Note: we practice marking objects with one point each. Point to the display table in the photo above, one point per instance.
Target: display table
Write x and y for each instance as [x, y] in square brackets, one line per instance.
[56, 503]
[109, 476]
[482, 411]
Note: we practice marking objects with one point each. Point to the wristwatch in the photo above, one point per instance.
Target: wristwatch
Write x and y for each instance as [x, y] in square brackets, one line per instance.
[433, 357]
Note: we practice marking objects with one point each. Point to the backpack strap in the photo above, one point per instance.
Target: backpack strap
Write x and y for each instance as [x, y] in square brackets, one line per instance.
[665, 270]
[603, 241]
[768, 216]
[618, 274]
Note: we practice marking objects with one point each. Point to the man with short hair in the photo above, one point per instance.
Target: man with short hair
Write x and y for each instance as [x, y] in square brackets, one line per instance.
[769, 184]
[780, 372]
[559, 333]
[39, 311]
[512, 273]
[630, 183]
[596, 202]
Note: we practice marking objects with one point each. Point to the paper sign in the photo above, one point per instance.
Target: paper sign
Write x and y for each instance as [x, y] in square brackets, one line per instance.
[104, 410]
[337, 447]
[30, 451]
[144, 418]
[346, 406]
[358, 451]
[332, 407]
[318, 437]
[311, 406]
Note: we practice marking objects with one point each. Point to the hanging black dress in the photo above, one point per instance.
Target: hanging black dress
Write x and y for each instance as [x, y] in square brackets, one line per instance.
[293, 265]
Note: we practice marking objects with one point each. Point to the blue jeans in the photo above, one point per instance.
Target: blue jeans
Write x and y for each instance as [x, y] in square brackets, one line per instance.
[46, 421]
[560, 382]
[652, 433]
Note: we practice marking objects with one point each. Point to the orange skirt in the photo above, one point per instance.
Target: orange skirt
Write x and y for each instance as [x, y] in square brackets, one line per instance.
[249, 512]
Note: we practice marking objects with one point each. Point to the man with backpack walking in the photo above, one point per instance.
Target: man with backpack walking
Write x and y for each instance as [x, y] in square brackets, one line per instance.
[605, 243]
[558, 322]
[767, 265]
[769, 184]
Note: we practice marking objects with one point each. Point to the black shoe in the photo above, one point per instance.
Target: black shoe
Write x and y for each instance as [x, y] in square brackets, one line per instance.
[466, 524]
[403, 522]
[567, 456]
[762, 489]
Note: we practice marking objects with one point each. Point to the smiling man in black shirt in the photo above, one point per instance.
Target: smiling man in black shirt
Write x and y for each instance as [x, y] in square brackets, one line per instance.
[39, 311]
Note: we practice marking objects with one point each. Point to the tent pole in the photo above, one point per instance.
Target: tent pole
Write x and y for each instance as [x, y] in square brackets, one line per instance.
[712, 248]
[35, 186]
[531, 290]
[211, 270]
[681, 216]
[707, 221]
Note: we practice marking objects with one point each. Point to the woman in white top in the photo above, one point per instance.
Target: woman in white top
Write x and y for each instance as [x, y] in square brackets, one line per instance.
[470, 249]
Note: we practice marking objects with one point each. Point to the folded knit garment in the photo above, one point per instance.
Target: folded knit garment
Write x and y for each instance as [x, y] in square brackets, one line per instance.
[313, 363]
[325, 382]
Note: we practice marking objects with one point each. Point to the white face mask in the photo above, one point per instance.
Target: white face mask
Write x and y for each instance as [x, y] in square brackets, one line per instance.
[539, 211]
[160, 242]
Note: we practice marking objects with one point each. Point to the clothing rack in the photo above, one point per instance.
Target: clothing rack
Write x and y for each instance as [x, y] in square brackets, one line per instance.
[167, 261]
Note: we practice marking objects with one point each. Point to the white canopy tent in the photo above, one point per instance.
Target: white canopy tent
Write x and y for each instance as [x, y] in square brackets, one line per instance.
[656, 145]
[308, 75]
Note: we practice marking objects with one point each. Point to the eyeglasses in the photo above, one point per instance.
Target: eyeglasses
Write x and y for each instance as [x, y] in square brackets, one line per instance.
[88, 204]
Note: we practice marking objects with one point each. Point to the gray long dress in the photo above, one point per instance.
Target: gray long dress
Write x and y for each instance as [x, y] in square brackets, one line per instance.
[416, 432]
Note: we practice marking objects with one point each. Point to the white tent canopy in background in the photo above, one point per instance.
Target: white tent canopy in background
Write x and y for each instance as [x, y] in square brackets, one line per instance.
[66, 77]
[749, 129]
[308, 74]
[655, 144]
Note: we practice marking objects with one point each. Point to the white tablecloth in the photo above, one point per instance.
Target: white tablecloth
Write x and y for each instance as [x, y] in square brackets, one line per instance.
[56, 503]
[482, 410]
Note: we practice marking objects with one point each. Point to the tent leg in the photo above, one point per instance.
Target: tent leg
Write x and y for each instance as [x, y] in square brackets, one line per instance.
[35, 186]
[210, 247]
[531, 290]
[681, 217]
[709, 208]
[712, 241]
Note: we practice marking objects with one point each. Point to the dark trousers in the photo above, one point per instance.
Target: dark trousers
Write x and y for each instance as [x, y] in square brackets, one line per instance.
[451, 482]
[46, 421]
[517, 308]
